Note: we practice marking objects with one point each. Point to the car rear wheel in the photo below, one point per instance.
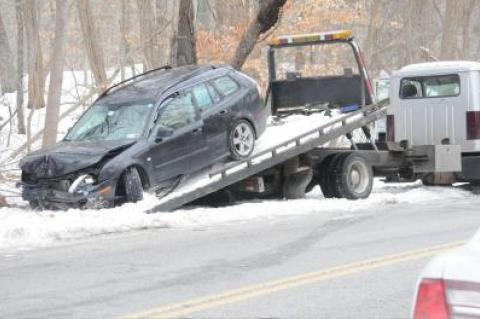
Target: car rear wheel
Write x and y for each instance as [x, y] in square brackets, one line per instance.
[241, 140]
[133, 185]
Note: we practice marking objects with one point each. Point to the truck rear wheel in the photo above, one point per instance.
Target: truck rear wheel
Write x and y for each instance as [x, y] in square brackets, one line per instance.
[325, 177]
[353, 177]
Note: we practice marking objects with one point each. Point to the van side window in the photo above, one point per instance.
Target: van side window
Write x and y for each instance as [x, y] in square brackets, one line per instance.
[430, 86]
[225, 85]
[204, 101]
[178, 112]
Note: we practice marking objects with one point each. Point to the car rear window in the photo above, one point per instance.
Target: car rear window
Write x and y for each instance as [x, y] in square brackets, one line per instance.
[430, 86]
[226, 85]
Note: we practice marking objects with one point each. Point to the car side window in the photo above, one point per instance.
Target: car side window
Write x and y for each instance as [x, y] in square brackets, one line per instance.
[213, 93]
[204, 101]
[226, 85]
[178, 112]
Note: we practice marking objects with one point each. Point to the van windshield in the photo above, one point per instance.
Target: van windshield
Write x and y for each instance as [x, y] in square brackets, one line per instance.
[112, 122]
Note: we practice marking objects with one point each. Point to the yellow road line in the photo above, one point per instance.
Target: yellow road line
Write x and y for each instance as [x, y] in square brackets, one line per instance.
[215, 300]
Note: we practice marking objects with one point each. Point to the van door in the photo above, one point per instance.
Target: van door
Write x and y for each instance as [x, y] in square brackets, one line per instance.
[428, 109]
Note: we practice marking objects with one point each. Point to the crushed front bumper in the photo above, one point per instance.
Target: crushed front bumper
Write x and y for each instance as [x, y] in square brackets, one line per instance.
[42, 196]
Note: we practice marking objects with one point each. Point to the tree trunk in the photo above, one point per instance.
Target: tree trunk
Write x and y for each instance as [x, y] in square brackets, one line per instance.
[146, 19]
[413, 32]
[124, 46]
[7, 68]
[265, 19]
[56, 74]
[372, 35]
[91, 42]
[184, 49]
[449, 33]
[468, 7]
[19, 77]
[36, 80]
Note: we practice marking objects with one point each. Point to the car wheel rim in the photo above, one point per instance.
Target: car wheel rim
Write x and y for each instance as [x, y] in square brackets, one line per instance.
[243, 139]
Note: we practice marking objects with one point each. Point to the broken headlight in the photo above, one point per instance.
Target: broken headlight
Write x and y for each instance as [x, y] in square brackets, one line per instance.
[82, 184]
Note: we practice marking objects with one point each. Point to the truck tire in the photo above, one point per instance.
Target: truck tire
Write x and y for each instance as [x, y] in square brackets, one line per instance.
[325, 176]
[133, 185]
[353, 177]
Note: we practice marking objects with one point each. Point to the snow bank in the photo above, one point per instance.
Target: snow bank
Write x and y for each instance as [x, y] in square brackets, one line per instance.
[22, 229]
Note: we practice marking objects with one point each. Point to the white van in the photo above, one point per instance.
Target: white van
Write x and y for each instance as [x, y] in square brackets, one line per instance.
[438, 103]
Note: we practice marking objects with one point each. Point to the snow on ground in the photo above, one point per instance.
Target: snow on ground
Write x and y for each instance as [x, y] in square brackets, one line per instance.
[24, 229]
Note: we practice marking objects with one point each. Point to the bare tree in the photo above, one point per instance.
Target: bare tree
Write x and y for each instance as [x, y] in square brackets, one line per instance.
[266, 17]
[19, 77]
[372, 34]
[7, 68]
[146, 19]
[468, 6]
[124, 45]
[36, 80]
[183, 42]
[91, 42]
[56, 74]
[449, 33]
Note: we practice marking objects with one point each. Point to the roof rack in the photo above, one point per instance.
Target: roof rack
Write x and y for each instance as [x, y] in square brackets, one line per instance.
[165, 67]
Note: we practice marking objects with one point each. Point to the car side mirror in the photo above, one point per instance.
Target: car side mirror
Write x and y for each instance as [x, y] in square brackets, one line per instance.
[162, 133]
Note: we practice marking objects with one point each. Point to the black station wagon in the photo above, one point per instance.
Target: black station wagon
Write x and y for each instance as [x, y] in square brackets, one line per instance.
[144, 134]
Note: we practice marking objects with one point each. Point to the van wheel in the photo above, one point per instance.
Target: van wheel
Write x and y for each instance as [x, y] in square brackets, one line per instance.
[353, 177]
[241, 140]
[133, 185]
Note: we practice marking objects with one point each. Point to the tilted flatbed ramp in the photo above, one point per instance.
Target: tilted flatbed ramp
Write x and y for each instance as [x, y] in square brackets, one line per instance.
[266, 156]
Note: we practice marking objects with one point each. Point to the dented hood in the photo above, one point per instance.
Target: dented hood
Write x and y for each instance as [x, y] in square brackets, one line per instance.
[67, 157]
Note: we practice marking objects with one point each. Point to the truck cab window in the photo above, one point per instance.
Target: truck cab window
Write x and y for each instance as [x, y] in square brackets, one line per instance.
[430, 86]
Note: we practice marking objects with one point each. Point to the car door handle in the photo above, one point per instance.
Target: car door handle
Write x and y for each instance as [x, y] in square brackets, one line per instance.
[198, 130]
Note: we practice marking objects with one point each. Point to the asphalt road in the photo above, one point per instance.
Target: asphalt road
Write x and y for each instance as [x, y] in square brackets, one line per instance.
[306, 266]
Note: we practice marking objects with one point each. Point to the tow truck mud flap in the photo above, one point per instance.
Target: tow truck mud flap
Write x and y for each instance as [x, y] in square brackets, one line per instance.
[296, 179]
[436, 158]
[296, 183]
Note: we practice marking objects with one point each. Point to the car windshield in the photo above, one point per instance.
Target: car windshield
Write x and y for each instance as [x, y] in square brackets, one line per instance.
[112, 122]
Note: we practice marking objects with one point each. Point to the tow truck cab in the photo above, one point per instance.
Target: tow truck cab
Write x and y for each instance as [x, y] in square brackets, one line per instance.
[438, 103]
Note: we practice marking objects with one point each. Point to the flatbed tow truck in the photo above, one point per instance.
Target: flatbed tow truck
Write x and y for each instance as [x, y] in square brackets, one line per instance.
[290, 164]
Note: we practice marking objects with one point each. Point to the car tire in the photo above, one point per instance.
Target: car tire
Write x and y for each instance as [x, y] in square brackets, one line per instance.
[241, 140]
[353, 177]
[133, 185]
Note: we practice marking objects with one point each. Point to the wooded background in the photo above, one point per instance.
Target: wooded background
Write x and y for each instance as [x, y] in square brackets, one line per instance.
[42, 39]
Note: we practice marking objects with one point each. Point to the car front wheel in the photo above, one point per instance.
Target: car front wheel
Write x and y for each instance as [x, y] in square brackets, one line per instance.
[133, 185]
[241, 140]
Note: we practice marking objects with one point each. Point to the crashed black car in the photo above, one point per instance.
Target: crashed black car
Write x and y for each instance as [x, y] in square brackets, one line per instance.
[144, 133]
